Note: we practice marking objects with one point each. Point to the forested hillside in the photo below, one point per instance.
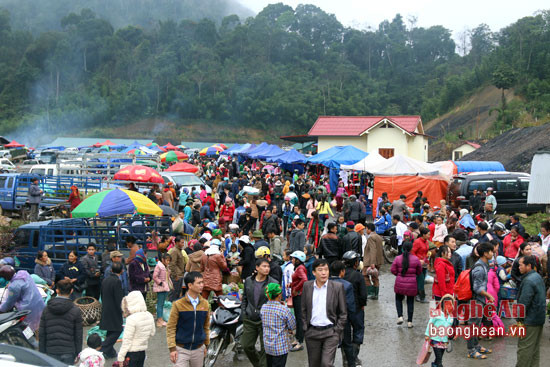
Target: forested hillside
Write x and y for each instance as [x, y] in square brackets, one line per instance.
[275, 72]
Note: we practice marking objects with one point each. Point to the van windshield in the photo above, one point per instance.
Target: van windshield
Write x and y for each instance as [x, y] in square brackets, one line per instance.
[187, 180]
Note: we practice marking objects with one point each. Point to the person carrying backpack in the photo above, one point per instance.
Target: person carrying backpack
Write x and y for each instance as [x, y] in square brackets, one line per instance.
[476, 288]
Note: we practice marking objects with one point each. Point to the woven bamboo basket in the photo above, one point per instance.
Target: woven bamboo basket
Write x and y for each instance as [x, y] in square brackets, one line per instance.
[90, 308]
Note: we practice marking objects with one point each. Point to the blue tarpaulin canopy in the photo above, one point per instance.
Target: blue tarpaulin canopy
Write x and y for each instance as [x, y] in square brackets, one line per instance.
[254, 149]
[292, 156]
[232, 149]
[478, 166]
[242, 148]
[270, 151]
[336, 156]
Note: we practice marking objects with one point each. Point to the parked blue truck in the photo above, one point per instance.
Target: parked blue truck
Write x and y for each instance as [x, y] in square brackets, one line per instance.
[14, 188]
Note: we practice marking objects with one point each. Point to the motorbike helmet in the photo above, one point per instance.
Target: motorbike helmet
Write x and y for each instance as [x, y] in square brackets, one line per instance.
[299, 255]
[7, 272]
[498, 226]
[350, 257]
[262, 251]
[7, 261]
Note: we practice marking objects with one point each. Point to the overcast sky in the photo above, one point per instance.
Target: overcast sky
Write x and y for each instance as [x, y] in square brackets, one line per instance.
[454, 15]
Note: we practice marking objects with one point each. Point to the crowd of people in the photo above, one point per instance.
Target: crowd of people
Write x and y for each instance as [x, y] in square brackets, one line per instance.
[309, 261]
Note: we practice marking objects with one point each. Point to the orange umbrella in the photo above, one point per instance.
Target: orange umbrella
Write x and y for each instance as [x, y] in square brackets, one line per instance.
[138, 174]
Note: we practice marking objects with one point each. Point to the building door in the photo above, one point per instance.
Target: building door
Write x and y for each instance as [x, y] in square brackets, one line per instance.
[386, 152]
[458, 155]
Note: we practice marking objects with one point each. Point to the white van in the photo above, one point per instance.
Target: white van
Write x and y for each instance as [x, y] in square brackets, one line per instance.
[53, 170]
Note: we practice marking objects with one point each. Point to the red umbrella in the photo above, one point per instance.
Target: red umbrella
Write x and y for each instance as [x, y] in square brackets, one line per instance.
[14, 144]
[223, 146]
[183, 167]
[106, 142]
[139, 174]
[169, 146]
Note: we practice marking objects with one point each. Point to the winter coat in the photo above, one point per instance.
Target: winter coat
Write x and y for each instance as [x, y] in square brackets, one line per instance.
[353, 242]
[511, 248]
[354, 211]
[299, 277]
[247, 260]
[374, 252]
[91, 266]
[73, 271]
[227, 212]
[456, 260]
[45, 271]
[91, 358]
[440, 232]
[23, 295]
[194, 263]
[61, 328]
[444, 279]
[177, 264]
[35, 194]
[406, 284]
[329, 246]
[532, 294]
[139, 327]
[211, 269]
[111, 298]
[137, 272]
[249, 309]
[420, 249]
[160, 278]
[493, 285]
[297, 240]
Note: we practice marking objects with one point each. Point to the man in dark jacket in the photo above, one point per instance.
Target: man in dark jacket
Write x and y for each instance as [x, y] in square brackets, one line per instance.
[196, 215]
[61, 326]
[34, 199]
[247, 257]
[352, 259]
[253, 299]
[456, 260]
[417, 203]
[297, 238]
[532, 297]
[514, 222]
[475, 202]
[352, 240]
[93, 271]
[270, 222]
[355, 211]
[111, 312]
[329, 246]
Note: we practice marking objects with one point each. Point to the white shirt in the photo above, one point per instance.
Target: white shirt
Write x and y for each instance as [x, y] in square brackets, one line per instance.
[319, 303]
[400, 230]
[194, 301]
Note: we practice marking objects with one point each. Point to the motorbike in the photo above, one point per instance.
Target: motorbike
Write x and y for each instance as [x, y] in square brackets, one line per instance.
[390, 246]
[14, 331]
[225, 329]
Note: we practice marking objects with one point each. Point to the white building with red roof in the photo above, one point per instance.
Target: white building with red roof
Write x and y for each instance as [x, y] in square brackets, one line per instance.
[465, 148]
[385, 135]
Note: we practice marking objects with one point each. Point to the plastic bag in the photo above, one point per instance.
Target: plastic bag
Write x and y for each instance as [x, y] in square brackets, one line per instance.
[429, 279]
[424, 354]
[166, 310]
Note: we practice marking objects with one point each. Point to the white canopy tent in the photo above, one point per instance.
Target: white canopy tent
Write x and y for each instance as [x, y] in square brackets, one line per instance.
[371, 160]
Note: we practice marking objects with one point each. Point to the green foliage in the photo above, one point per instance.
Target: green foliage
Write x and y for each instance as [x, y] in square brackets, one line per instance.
[277, 71]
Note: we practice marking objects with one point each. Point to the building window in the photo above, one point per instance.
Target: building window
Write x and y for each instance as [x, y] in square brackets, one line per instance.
[386, 152]
[457, 155]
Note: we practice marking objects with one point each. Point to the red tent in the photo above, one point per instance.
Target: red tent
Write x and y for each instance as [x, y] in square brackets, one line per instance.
[14, 144]
[183, 167]
[169, 146]
[106, 142]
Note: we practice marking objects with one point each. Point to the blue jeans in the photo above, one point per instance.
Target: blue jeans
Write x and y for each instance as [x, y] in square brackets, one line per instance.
[161, 297]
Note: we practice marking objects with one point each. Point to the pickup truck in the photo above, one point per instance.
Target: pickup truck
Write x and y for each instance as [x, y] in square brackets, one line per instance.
[60, 236]
[14, 189]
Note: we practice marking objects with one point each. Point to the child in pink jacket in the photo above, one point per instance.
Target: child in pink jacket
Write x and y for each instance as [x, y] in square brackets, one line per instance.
[161, 285]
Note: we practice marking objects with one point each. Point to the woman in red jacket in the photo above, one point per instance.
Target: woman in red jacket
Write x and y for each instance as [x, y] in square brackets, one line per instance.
[299, 277]
[226, 214]
[420, 250]
[444, 280]
[511, 243]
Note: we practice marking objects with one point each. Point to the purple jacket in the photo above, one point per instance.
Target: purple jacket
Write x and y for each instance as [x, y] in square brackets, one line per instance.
[137, 272]
[406, 284]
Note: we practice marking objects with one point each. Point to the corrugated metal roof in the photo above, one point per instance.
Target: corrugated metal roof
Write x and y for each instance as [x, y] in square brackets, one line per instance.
[356, 125]
[540, 173]
[83, 142]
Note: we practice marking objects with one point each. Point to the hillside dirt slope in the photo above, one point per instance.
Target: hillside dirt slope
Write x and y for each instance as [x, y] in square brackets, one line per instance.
[514, 148]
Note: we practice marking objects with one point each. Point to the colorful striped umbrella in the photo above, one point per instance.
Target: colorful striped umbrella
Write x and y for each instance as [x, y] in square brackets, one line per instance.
[116, 202]
[173, 156]
[138, 174]
[213, 150]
